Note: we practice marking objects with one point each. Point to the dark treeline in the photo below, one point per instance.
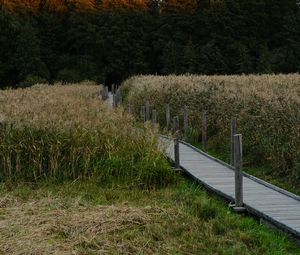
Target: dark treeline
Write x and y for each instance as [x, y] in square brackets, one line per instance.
[108, 45]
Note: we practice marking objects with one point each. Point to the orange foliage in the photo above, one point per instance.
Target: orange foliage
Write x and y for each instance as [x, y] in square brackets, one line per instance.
[84, 4]
[185, 5]
[62, 5]
[32, 5]
[125, 4]
[53, 5]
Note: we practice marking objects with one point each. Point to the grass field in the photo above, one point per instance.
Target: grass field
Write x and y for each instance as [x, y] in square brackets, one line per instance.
[80, 178]
[86, 217]
[267, 108]
[66, 132]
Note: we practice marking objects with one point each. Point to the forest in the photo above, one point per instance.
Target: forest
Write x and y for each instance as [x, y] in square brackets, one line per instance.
[107, 41]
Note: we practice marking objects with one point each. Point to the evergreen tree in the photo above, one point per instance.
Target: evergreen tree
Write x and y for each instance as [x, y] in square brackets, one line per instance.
[106, 40]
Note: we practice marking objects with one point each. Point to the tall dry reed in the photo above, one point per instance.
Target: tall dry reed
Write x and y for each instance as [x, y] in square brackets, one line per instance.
[61, 132]
[267, 106]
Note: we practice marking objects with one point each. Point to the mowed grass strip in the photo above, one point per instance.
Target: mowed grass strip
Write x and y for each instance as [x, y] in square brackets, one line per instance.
[65, 132]
[267, 108]
[86, 217]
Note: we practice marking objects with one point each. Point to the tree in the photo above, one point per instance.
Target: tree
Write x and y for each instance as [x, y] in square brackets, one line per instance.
[27, 54]
[9, 27]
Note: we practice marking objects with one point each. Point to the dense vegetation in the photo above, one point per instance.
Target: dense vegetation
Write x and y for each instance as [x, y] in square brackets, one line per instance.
[113, 192]
[66, 132]
[110, 40]
[267, 108]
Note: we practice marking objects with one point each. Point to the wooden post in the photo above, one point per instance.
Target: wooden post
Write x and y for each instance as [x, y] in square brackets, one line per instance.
[104, 97]
[176, 125]
[114, 101]
[129, 109]
[238, 167]
[233, 131]
[204, 130]
[119, 96]
[176, 143]
[186, 123]
[143, 114]
[154, 117]
[147, 110]
[102, 94]
[113, 88]
[168, 116]
[106, 92]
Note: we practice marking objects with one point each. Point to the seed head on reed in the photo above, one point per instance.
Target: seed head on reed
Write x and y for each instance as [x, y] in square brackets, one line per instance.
[60, 132]
[267, 107]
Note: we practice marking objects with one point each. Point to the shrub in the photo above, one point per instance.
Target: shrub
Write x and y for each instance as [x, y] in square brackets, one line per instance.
[68, 76]
[32, 80]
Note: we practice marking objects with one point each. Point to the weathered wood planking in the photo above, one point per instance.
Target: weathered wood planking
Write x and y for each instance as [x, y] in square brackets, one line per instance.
[264, 200]
[261, 199]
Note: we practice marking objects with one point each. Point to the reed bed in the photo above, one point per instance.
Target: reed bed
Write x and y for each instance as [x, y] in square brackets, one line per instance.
[267, 107]
[65, 132]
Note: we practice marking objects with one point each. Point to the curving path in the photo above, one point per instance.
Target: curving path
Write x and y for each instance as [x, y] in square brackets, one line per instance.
[262, 199]
[266, 201]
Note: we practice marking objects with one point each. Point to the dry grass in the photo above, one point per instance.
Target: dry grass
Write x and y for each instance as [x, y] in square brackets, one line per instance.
[48, 227]
[85, 218]
[61, 132]
[267, 107]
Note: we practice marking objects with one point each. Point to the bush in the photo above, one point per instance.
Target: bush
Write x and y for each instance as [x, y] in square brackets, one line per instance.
[68, 76]
[32, 80]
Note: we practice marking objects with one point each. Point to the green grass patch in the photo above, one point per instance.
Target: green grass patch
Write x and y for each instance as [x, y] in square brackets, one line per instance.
[87, 217]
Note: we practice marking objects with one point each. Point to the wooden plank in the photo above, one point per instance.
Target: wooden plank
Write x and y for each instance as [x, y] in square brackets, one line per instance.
[260, 199]
[233, 131]
[185, 123]
[204, 130]
[147, 105]
[168, 116]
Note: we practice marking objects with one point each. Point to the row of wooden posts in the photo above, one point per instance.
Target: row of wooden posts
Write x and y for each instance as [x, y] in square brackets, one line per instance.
[236, 151]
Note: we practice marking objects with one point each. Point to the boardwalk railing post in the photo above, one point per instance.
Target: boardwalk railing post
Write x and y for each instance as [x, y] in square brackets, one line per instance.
[143, 114]
[238, 165]
[204, 130]
[119, 97]
[113, 88]
[168, 115]
[176, 143]
[147, 110]
[129, 108]
[105, 93]
[114, 101]
[154, 117]
[233, 131]
[186, 123]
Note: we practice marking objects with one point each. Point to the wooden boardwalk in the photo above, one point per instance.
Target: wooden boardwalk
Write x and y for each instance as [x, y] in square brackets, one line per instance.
[268, 202]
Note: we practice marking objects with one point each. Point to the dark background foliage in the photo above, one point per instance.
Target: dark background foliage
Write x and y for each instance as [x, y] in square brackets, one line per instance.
[108, 45]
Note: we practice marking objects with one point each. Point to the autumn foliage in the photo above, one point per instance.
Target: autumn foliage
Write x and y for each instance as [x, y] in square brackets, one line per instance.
[52, 5]
[179, 4]
[124, 4]
[64, 5]
[32, 5]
